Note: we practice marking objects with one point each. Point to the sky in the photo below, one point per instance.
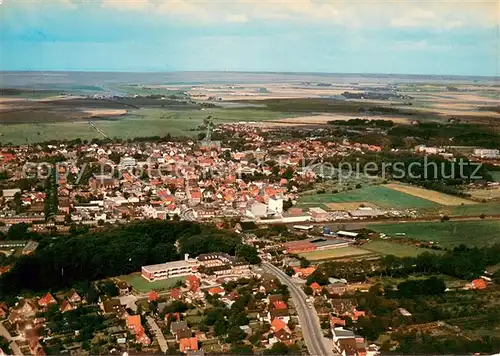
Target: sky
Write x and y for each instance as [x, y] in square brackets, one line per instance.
[457, 37]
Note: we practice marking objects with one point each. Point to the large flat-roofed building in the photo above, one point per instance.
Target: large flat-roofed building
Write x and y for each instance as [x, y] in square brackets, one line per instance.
[169, 269]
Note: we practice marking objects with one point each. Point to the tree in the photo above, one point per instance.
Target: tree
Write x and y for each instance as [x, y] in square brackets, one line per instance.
[109, 288]
[235, 334]
[241, 349]
[289, 271]
[18, 232]
[248, 253]
[308, 290]
[304, 262]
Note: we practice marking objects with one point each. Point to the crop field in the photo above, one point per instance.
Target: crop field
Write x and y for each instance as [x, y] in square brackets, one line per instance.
[137, 123]
[379, 195]
[393, 248]
[491, 208]
[143, 286]
[337, 253]
[447, 234]
[437, 197]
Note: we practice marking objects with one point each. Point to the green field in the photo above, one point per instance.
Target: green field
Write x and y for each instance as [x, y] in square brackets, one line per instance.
[396, 249]
[381, 196]
[447, 234]
[143, 286]
[492, 208]
[495, 175]
[138, 123]
[337, 253]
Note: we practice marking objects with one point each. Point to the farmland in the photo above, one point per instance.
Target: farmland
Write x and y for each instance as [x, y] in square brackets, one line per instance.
[137, 123]
[437, 197]
[378, 195]
[447, 234]
[143, 286]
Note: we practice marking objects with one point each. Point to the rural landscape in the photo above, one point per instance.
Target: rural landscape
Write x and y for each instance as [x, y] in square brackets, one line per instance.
[302, 177]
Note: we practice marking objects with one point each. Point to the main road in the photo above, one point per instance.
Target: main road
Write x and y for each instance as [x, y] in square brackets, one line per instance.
[309, 322]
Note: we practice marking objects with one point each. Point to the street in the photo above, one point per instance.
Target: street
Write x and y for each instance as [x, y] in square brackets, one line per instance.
[308, 318]
[12, 343]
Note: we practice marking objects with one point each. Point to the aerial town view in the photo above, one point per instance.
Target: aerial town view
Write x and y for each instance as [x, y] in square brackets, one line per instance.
[292, 177]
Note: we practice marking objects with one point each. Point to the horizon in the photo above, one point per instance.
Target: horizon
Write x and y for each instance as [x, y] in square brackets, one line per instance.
[455, 38]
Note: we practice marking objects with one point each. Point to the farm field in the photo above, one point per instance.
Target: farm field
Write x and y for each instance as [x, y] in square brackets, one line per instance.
[447, 234]
[491, 208]
[143, 286]
[342, 252]
[393, 248]
[137, 123]
[437, 197]
[378, 195]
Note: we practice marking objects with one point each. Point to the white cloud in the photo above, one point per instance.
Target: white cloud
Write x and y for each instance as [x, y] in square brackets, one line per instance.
[422, 45]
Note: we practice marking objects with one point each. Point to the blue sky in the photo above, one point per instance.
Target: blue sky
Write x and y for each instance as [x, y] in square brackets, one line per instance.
[368, 36]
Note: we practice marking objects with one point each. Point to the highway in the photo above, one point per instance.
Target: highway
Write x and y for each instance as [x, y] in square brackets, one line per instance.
[308, 318]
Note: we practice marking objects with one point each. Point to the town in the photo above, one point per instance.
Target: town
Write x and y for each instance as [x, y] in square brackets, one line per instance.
[286, 274]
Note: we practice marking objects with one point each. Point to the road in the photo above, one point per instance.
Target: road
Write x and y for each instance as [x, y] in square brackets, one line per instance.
[308, 318]
[158, 333]
[12, 343]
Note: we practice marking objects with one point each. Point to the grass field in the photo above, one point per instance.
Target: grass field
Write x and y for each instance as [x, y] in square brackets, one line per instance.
[336, 253]
[495, 175]
[447, 234]
[138, 123]
[378, 195]
[491, 208]
[392, 248]
[436, 197]
[143, 286]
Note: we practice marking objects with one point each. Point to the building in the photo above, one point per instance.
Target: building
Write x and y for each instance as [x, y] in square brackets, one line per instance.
[8, 194]
[318, 214]
[170, 269]
[487, 153]
[346, 343]
[275, 205]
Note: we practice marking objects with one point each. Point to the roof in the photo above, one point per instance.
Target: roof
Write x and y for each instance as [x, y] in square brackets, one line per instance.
[134, 322]
[153, 295]
[215, 290]
[279, 304]
[315, 286]
[178, 325]
[278, 324]
[168, 265]
[47, 299]
[188, 344]
[479, 283]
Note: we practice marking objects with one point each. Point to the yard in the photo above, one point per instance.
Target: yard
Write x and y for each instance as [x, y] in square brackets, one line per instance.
[446, 234]
[378, 195]
[143, 286]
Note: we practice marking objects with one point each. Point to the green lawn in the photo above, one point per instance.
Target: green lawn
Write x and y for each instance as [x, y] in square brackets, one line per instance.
[381, 196]
[495, 175]
[393, 248]
[143, 286]
[447, 234]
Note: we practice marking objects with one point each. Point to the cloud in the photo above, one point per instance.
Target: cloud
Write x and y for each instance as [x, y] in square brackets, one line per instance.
[422, 45]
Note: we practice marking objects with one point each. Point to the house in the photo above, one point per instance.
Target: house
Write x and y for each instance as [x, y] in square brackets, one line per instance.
[334, 321]
[316, 288]
[178, 325]
[134, 323]
[277, 325]
[216, 290]
[25, 308]
[336, 288]
[284, 336]
[66, 306]
[111, 306]
[304, 272]
[47, 300]
[346, 343]
[193, 283]
[188, 344]
[123, 288]
[74, 297]
[478, 284]
[35, 348]
[281, 314]
[245, 226]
